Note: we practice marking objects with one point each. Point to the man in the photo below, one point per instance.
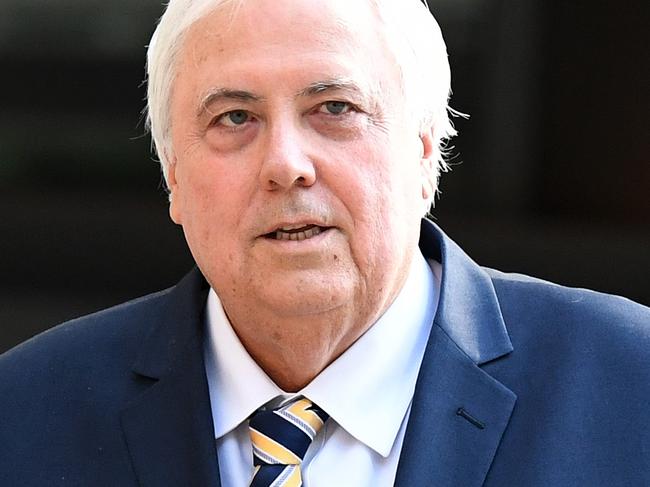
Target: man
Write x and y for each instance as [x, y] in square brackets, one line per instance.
[301, 143]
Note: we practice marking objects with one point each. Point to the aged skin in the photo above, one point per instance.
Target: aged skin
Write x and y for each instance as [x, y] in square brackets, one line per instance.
[297, 176]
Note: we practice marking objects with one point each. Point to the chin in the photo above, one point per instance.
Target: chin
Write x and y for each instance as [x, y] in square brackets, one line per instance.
[308, 296]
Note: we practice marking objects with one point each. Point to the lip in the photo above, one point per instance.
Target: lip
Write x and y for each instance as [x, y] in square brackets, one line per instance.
[306, 246]
[294, 224]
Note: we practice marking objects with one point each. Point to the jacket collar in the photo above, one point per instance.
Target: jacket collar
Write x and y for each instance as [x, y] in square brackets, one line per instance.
[459, 412]
[168, 427]
[468, 310]
[179, 325]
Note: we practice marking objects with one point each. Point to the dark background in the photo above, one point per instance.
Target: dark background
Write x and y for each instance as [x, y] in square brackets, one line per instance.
[551, 176]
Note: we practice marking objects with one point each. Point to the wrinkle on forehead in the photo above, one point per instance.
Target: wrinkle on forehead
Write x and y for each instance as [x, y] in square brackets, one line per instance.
[335, 27]
[354, 20]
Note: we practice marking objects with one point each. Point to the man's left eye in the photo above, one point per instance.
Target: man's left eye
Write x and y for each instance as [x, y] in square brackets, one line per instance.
[334, 107]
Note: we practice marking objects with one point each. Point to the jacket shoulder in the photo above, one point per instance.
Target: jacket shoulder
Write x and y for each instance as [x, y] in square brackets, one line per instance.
[41, 375]
[114, 331]
[575, 327]
[579, 368]
[65, 387]
[525, 298]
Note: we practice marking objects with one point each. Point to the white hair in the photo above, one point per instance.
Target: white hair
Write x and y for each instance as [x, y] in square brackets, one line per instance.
[411, 32]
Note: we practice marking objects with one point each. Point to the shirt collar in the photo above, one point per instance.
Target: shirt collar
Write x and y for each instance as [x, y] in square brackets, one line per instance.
[370, 384]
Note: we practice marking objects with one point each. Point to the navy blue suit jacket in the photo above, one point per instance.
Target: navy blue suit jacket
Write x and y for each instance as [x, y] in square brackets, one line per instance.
[524, 383]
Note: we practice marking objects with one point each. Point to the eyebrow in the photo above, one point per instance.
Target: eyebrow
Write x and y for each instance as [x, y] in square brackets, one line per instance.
[218, 94]
[334, 84]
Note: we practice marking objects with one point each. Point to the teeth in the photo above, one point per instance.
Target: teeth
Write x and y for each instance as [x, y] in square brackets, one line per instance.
[291, 227]
[297, 236]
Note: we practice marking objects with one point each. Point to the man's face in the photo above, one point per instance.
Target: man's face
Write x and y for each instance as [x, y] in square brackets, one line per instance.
[296, 175]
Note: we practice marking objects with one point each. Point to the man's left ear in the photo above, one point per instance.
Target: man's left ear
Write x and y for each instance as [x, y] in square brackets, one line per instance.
[428, 165]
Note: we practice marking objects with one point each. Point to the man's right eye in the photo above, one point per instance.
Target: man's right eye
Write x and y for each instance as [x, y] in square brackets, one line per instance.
[233, 118]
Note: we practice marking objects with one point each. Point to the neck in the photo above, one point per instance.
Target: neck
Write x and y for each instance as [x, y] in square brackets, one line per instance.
[293, 350]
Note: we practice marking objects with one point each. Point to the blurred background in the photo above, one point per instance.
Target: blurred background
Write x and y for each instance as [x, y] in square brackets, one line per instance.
[551, 174]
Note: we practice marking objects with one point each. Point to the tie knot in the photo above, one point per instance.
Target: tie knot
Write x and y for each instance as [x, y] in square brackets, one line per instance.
[281, 436]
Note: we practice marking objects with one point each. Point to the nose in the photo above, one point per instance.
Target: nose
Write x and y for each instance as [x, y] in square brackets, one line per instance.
[286, 163]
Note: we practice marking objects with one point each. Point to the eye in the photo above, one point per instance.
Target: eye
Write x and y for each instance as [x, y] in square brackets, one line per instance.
[233, 118]
[334, 107]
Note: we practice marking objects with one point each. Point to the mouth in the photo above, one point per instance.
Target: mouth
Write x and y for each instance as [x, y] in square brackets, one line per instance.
[295, 232]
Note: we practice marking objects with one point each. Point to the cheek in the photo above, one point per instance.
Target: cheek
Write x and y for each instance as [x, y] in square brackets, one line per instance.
[214, 178]
[211, 229]
[383, 194]
[376, 183]
[365, 187]
[212, 200]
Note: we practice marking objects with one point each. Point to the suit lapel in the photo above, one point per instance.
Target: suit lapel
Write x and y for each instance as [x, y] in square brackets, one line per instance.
[168, 427]
[459, 412]
[458, 416]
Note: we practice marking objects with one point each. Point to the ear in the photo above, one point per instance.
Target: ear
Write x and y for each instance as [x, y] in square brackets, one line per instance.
[428, 165]
[174, 190]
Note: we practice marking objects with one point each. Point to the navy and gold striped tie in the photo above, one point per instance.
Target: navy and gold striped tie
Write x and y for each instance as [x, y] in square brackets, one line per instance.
[280, 440]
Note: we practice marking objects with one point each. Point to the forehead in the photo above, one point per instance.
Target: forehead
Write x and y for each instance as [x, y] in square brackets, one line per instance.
[269, 18]
[268, 31]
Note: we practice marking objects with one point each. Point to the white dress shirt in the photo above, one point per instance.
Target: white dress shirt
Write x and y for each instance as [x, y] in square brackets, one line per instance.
[367, 392]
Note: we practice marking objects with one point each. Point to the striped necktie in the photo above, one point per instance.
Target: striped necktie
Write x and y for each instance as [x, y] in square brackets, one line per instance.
[280, 440]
